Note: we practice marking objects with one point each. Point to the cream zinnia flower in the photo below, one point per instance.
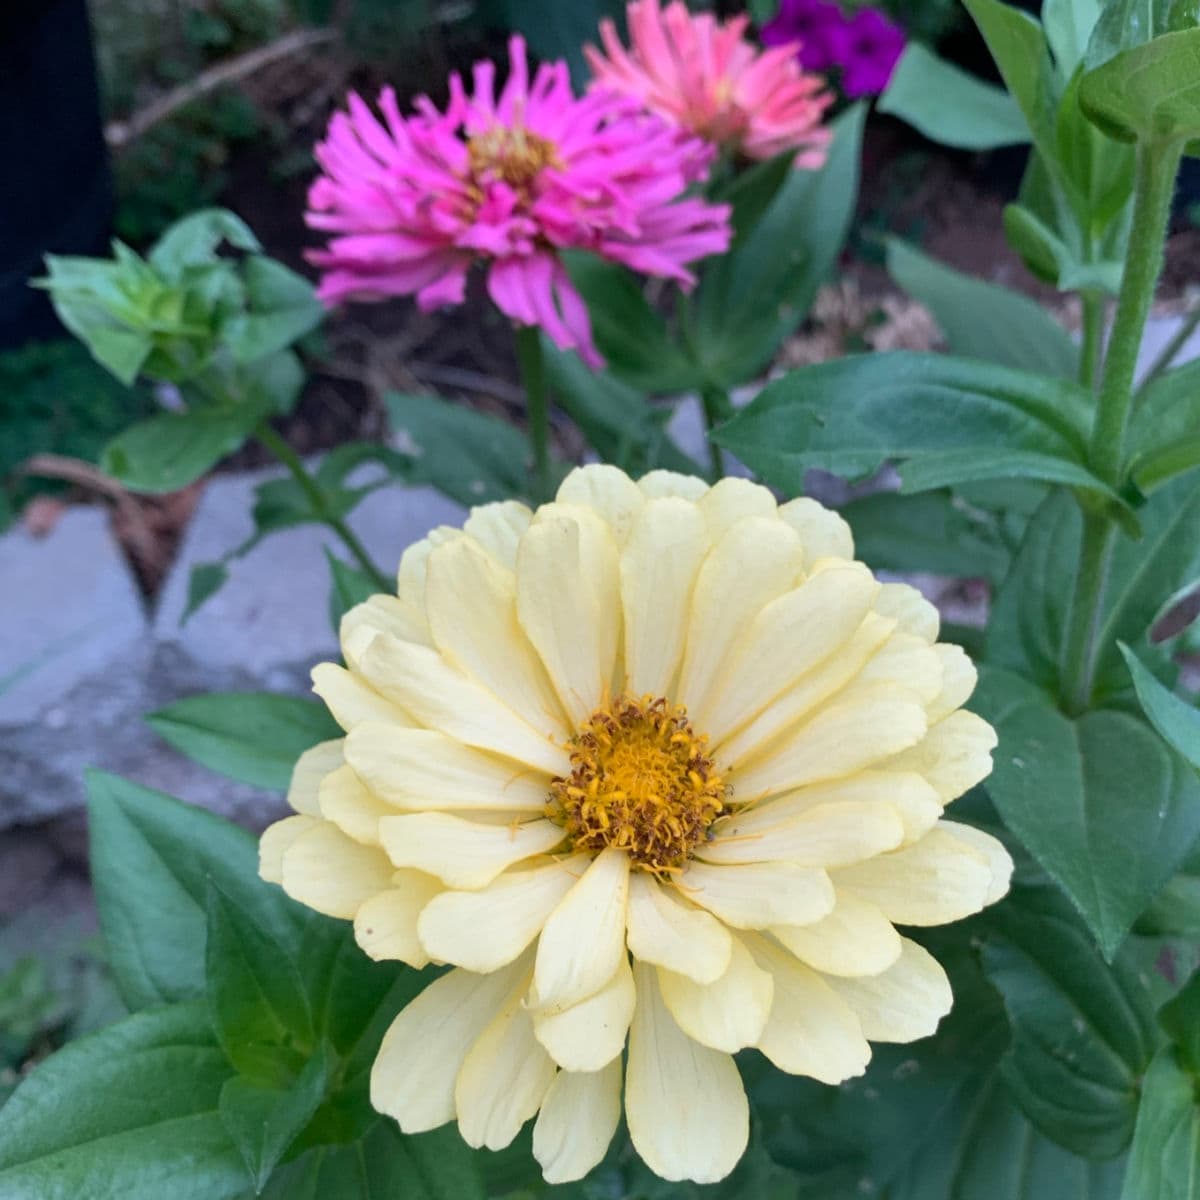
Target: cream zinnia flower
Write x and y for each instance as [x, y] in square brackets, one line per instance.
[657, 760]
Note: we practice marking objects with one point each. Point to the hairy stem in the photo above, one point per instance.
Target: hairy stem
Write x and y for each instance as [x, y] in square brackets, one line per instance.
[717, 408]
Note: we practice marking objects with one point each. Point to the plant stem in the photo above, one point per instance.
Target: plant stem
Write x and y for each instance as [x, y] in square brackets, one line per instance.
[533, 376]
[717, 408]
[1092, 352]
[1083, 626]
[1171, 350]
[320, 505]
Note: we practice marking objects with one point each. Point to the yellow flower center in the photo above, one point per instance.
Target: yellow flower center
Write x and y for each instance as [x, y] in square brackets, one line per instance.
[512, 154]
[642, 781]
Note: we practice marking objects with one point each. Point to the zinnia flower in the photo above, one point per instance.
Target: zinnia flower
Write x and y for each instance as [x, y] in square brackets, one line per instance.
[867, 47]
[704, 75]
[657, 760]
[805, 26]
[413, 201]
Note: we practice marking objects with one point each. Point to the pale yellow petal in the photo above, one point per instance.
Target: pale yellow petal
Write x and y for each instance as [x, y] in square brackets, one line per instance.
[422, 769]
[841, 738]
[442, 698]
[855, 939]
[954, 755]
[728, 1014]
[609, 492]
[757, 895]
[487, 929]
[311, 768]
[932, 882]
[577, 1121]
[472, 603]
[823, 533]
[667, 931]
[462, 853]
[276, 839]
[346, 802]
[902, 1004]
[911, 611]
[352, 700]
[423, 1051]
[583, 940]
[381, 614]
[812, 1030]
[786, 640]
[999, 860]
[386, 925]
[410, 576]
[568, 603]
[589, 1035]
[332, 873]
[498, 528]
[958, 681]
[658, 572]
[732, 500]
[907, 663]
[684, 1103]
[503, 1079]
[826, 835]
[743, 572]
[659, 484]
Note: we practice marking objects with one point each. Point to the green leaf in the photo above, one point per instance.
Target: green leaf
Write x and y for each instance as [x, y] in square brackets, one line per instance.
[152, 858]
[1165, 1161]
[255, 995]
[1180, 1018]
[471, 457]
[1175, 911]
[263, 1122]
[1105, 808]
[752, 298]
[1151, 92]
[193, 241]
[171, 450]
[282, 309]
[1082, 1032]
[945, 420]
[751, 190]
[950, 106]
[348, 586]
[253, 737]
[129, 1113]
[1069, 25]
[982, 320]
[205, 580]
[1164, 434]
[1125, 24]
[1174, 718]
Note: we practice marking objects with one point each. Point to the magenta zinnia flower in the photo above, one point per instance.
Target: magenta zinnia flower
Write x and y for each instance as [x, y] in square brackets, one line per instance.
[414, 201]
[806, 26]
[867, 47]
[704, 75]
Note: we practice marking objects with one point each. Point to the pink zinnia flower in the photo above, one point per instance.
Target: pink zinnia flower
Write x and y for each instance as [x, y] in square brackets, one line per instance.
[413, 201]
[704, 75]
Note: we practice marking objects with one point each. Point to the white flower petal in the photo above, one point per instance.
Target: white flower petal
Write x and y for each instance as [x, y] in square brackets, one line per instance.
[503, 1079]
[658, 571]
[902, 1004]
[486, 929]
[346, 802]
[667, 931]
[912, 612]
[728, 1014]
[311, 768]
[422, 1052]
[498, 528]
[659, 484]
[568, 602]
[855, 939]
[352, 700]
[731, 500]
[381, 614]
[332, 873]
[583, 940]
[954, 755]
[386, 925]
[606, 490]
[932, 882]
[577, 1121]
[907, 663]
[442, 698]
[275, 841]
[589, 1035]
[823, 533]
[684, 1103]
[826, 835]
[422, 769]
[812, 1030]
[472, 605]
[757, 895]
[992, 849]
[958, 681]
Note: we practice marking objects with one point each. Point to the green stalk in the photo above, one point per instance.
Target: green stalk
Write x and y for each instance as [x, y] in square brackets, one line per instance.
[320, 505]
[533, 376]
[717, 408]
[1157, 164]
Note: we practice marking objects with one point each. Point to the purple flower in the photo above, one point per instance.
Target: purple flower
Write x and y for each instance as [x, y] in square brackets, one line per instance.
[811, 23]
[867, 47]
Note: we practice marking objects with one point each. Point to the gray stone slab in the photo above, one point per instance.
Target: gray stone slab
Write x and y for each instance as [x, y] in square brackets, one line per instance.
[274, 610]
[69, 610]
[1159, 332]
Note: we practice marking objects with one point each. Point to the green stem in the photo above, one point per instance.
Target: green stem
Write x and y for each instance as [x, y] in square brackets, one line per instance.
[533, 376]
[1171, 350]
[1083, 626]
[1092, 353]
[320, 505]
[717, 408]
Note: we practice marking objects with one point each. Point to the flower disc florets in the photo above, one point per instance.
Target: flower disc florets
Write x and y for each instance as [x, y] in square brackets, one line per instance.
[642, 781]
